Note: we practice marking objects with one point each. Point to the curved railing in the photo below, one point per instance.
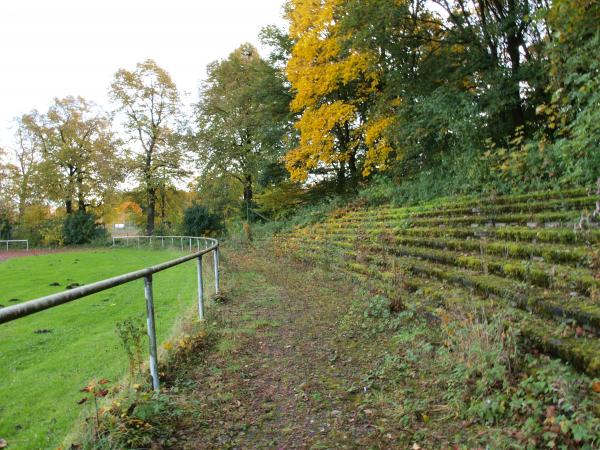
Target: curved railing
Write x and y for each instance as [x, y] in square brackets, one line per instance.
[200, 247]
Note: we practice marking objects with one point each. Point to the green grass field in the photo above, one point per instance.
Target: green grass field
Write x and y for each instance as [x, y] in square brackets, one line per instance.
[41, 373]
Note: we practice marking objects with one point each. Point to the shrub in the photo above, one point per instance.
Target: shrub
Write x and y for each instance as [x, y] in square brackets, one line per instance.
[5, 228]
[81, 228]
[198, 221]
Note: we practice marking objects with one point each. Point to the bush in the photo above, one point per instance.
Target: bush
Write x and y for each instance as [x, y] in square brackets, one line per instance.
[5, 228]
[81, 228]
[198, 221]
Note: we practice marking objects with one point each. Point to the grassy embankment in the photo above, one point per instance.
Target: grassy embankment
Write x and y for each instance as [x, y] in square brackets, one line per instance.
[517, 254]
[45, 359]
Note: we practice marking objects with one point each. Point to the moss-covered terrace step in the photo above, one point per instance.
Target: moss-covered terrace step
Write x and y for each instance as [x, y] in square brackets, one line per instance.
[556, 276]
[567, 236]
[577, 256]
[480, 201]
[536, 220]
[557, 339]
[578, 204]
[512, 234]
[550, 303]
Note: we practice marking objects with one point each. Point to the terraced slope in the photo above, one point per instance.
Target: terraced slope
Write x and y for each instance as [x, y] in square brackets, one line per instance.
[533, 256]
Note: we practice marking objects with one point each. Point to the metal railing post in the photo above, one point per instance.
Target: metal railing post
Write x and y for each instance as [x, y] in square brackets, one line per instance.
[216, 264]
[200, 289]
[162, 242]
[27, 244]
[151, 331]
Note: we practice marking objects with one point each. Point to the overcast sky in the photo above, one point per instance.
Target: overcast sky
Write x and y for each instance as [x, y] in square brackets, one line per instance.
[73, 47]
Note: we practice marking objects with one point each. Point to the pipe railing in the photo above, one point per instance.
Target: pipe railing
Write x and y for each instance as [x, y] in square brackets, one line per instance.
[15, 312]
[6, 242]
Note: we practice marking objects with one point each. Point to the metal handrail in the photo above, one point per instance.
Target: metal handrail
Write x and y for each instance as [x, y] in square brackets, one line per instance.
[14, 312]
[9, 241]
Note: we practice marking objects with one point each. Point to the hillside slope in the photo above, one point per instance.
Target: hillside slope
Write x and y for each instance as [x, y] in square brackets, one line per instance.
[533, 258]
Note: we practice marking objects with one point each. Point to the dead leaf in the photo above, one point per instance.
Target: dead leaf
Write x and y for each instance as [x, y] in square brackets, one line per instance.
[596, 387]
[101, 393]
[82, 401]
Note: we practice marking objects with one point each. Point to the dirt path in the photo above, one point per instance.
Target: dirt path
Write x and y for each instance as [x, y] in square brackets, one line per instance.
[284, 377]
[4, 255]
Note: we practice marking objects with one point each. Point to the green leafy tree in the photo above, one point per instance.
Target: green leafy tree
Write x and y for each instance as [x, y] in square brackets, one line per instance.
[149, 101]
[199, 221]
[78, 151]
[81, 228]
[242, 117]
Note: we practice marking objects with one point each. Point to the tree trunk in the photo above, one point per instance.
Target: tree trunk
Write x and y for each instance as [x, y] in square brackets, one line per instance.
[70, 190]
[248, 194]
[80, 199]
[514, 39]
[151, 211]
[352, 168]
[341, 177]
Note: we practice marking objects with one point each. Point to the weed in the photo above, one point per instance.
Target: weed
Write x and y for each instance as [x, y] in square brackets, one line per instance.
[131, 332]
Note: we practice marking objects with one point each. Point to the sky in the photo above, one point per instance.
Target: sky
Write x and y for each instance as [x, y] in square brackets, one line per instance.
[57, 48]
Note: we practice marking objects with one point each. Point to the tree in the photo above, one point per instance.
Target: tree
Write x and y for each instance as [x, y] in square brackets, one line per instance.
[149, 101]
[242, 117]
[7, 171]
[81, 228]
[27, 153]
[198, 221]
[78, 153]
[333, 86]
[572, 117]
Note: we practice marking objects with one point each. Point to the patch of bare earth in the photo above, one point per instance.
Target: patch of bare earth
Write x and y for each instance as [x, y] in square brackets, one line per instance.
[282, 376]
[5, 255]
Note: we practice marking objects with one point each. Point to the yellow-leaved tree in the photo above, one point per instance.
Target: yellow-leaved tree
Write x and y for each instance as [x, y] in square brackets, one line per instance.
[333, 84]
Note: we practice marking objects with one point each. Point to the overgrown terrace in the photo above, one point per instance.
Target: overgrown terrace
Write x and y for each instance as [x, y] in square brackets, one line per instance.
[534, 257]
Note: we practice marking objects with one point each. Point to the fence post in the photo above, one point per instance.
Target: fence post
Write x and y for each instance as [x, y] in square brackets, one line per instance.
[151, 331]
[27, 244]
[190, 245]
[181, 242]
[200, 290]
[162, 242]
[216, 264]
